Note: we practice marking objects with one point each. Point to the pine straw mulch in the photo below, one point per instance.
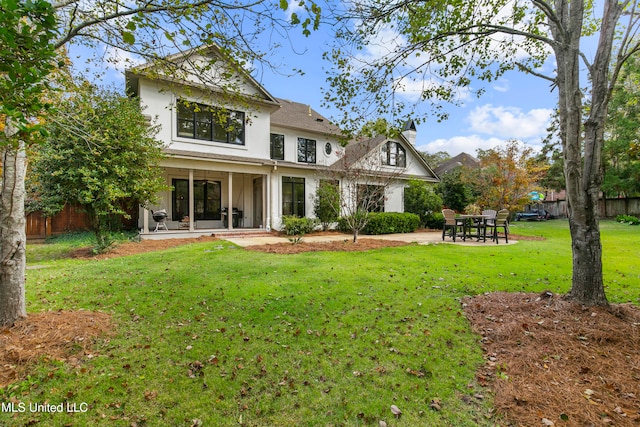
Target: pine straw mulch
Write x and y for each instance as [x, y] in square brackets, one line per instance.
[54, 335]
[553, 362]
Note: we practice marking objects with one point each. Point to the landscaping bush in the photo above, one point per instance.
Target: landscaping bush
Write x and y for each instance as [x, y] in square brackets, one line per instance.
[391, 222]
[434, 221]
[294, 226]
[628, 219]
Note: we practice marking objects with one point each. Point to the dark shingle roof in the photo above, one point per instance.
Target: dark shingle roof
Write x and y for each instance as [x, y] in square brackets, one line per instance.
[294, 115]
[462, 159]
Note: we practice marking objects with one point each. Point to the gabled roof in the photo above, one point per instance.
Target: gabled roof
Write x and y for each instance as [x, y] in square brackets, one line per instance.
[294, 115]
[147, 70]
[462, 159]
[356, 150]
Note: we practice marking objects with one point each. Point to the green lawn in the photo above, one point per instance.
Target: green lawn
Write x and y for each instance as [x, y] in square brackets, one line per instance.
[315, 339]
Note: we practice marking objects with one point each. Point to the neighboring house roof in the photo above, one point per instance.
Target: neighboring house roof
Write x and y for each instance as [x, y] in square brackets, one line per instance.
[294, 115]
[462, 159]
[356, 150]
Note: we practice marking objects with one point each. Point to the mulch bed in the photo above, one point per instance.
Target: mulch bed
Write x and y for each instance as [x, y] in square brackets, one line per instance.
[56, 335]
[553, 362]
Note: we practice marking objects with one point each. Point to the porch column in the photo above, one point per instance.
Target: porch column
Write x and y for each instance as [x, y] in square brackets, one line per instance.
[145, 221]
[266, 202]
[192, 215]
[230, 207]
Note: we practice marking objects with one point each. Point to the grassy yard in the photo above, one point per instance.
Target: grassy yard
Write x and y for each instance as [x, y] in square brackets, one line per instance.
[210, 334]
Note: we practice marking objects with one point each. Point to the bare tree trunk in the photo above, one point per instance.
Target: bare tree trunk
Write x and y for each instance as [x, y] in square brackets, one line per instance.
[12, 236]
[583, 154]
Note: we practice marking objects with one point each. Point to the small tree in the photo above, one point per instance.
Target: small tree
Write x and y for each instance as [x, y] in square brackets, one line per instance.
[421, 199]
[101, 154]
[364, 182]
[327, 202]
[506, 176]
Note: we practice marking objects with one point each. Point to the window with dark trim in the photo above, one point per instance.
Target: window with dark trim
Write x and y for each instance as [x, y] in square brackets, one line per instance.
[306, 150]
[207, 197]
[277, 146]
[293, 196]
[208, 123]
[371, 198]
[393, 154]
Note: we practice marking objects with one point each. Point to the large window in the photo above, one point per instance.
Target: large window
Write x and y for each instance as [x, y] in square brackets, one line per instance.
[210, 124]
[277, 146]
[293, 196]
[206, 199]
[371, 198]
[394, 155]
[306, 150]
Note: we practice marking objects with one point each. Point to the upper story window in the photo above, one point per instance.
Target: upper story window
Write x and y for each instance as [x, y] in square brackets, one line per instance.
[394, 155]
[209, 123]
[277, 146]
[306, 150]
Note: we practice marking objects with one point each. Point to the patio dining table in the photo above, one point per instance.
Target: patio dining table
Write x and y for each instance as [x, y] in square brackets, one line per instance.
[477, 221]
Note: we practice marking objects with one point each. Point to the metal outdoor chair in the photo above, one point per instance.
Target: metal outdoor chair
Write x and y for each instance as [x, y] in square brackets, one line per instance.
[501, 221]
[453, 225]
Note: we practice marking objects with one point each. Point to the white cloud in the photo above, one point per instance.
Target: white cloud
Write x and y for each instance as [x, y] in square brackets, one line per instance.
[459, 144]
[509, 122]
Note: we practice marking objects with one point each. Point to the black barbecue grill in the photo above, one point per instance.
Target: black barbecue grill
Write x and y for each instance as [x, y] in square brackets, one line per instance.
[160, 217]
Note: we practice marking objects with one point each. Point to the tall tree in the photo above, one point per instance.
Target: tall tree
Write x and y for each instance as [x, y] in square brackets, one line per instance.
[32, 31]
[449, 45]
[28, 56]
[622, 136]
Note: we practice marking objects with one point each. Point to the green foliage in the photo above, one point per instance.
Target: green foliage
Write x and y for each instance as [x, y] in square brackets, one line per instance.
[421, 199]
[391, 222]
[27, 30]
[101, 155]
[435, 221]
[326, 205]
[294, 226]
[628, 219]
[454, 191]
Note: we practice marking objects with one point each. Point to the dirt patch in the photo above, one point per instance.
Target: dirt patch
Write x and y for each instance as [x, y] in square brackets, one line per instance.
[60, 335]
[553, 362]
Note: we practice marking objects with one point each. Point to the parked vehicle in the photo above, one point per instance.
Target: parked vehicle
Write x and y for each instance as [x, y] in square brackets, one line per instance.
[533, 215]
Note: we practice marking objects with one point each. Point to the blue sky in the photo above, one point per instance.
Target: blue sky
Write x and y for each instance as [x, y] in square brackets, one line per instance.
[517, 106]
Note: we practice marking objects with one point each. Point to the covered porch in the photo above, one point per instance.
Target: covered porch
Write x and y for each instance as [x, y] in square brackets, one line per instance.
[207, 199]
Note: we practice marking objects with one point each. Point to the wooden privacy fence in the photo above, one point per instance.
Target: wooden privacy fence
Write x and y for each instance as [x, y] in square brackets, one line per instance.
[71, 218]
[608, 208]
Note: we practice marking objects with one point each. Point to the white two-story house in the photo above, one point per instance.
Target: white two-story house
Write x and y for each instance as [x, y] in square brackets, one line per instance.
[242, 162]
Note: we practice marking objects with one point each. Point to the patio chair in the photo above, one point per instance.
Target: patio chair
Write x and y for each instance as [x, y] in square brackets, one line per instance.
[501, 221]
[489, 222]
[454, 225]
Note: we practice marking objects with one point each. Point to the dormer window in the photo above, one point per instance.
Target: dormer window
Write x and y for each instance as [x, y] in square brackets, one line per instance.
[393, 154]
[208, 123]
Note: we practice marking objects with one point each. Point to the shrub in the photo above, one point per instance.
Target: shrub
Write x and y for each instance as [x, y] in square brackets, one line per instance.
[628, 219]
[294, 226]
[434, 221]
[391, 222]
[421, 199]
[326, 204]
